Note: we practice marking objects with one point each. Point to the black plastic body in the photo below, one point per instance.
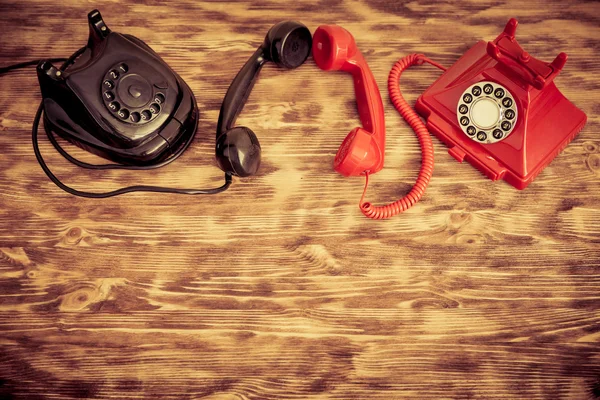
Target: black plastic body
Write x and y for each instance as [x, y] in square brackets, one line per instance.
[74, 107]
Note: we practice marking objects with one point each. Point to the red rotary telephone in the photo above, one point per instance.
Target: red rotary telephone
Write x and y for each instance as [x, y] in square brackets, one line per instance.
[497, 107]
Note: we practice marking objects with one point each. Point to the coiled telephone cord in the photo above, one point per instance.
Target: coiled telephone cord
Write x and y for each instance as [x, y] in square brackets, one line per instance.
[413, 119]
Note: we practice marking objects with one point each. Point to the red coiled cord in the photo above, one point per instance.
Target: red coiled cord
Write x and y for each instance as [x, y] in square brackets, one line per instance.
[410, 116]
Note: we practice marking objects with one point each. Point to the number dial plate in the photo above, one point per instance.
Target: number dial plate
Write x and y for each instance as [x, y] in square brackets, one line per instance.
[488, 109]
[149, 106]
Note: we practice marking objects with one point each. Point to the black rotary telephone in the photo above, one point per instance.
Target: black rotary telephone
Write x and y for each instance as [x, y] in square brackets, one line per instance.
[118, 99]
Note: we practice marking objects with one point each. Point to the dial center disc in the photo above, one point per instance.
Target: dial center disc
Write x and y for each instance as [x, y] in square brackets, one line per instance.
[134, 90]
[485, 113]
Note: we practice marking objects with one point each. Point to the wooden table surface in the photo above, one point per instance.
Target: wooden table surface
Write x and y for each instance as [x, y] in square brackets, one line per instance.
[280, 288]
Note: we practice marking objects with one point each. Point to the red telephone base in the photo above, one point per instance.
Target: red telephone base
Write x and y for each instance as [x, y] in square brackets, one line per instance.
[546, 121]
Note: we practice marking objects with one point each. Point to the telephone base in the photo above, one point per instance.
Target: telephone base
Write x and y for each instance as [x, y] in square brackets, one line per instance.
[546, 123]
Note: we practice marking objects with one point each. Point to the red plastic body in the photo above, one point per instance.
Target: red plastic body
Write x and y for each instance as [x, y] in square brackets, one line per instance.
[547, 120]
[363, 149]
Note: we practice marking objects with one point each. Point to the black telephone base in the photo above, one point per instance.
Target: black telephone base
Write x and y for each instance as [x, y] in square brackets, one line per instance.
[118, 100]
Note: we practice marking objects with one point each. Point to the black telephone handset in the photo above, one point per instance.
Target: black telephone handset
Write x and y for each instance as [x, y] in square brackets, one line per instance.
[118, 99]
[237, 149]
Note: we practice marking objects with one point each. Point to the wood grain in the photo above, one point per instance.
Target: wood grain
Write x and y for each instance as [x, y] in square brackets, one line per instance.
[280, 288]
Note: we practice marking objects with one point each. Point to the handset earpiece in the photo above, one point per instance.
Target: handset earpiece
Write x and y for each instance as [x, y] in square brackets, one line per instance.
[363, 149]
[287, 44]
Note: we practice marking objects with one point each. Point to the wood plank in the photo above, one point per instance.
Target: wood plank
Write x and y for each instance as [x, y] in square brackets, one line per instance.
[280, 288]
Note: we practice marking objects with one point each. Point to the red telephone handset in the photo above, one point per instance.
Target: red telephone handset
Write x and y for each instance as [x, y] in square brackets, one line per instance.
[363, 149]
[362, 152]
